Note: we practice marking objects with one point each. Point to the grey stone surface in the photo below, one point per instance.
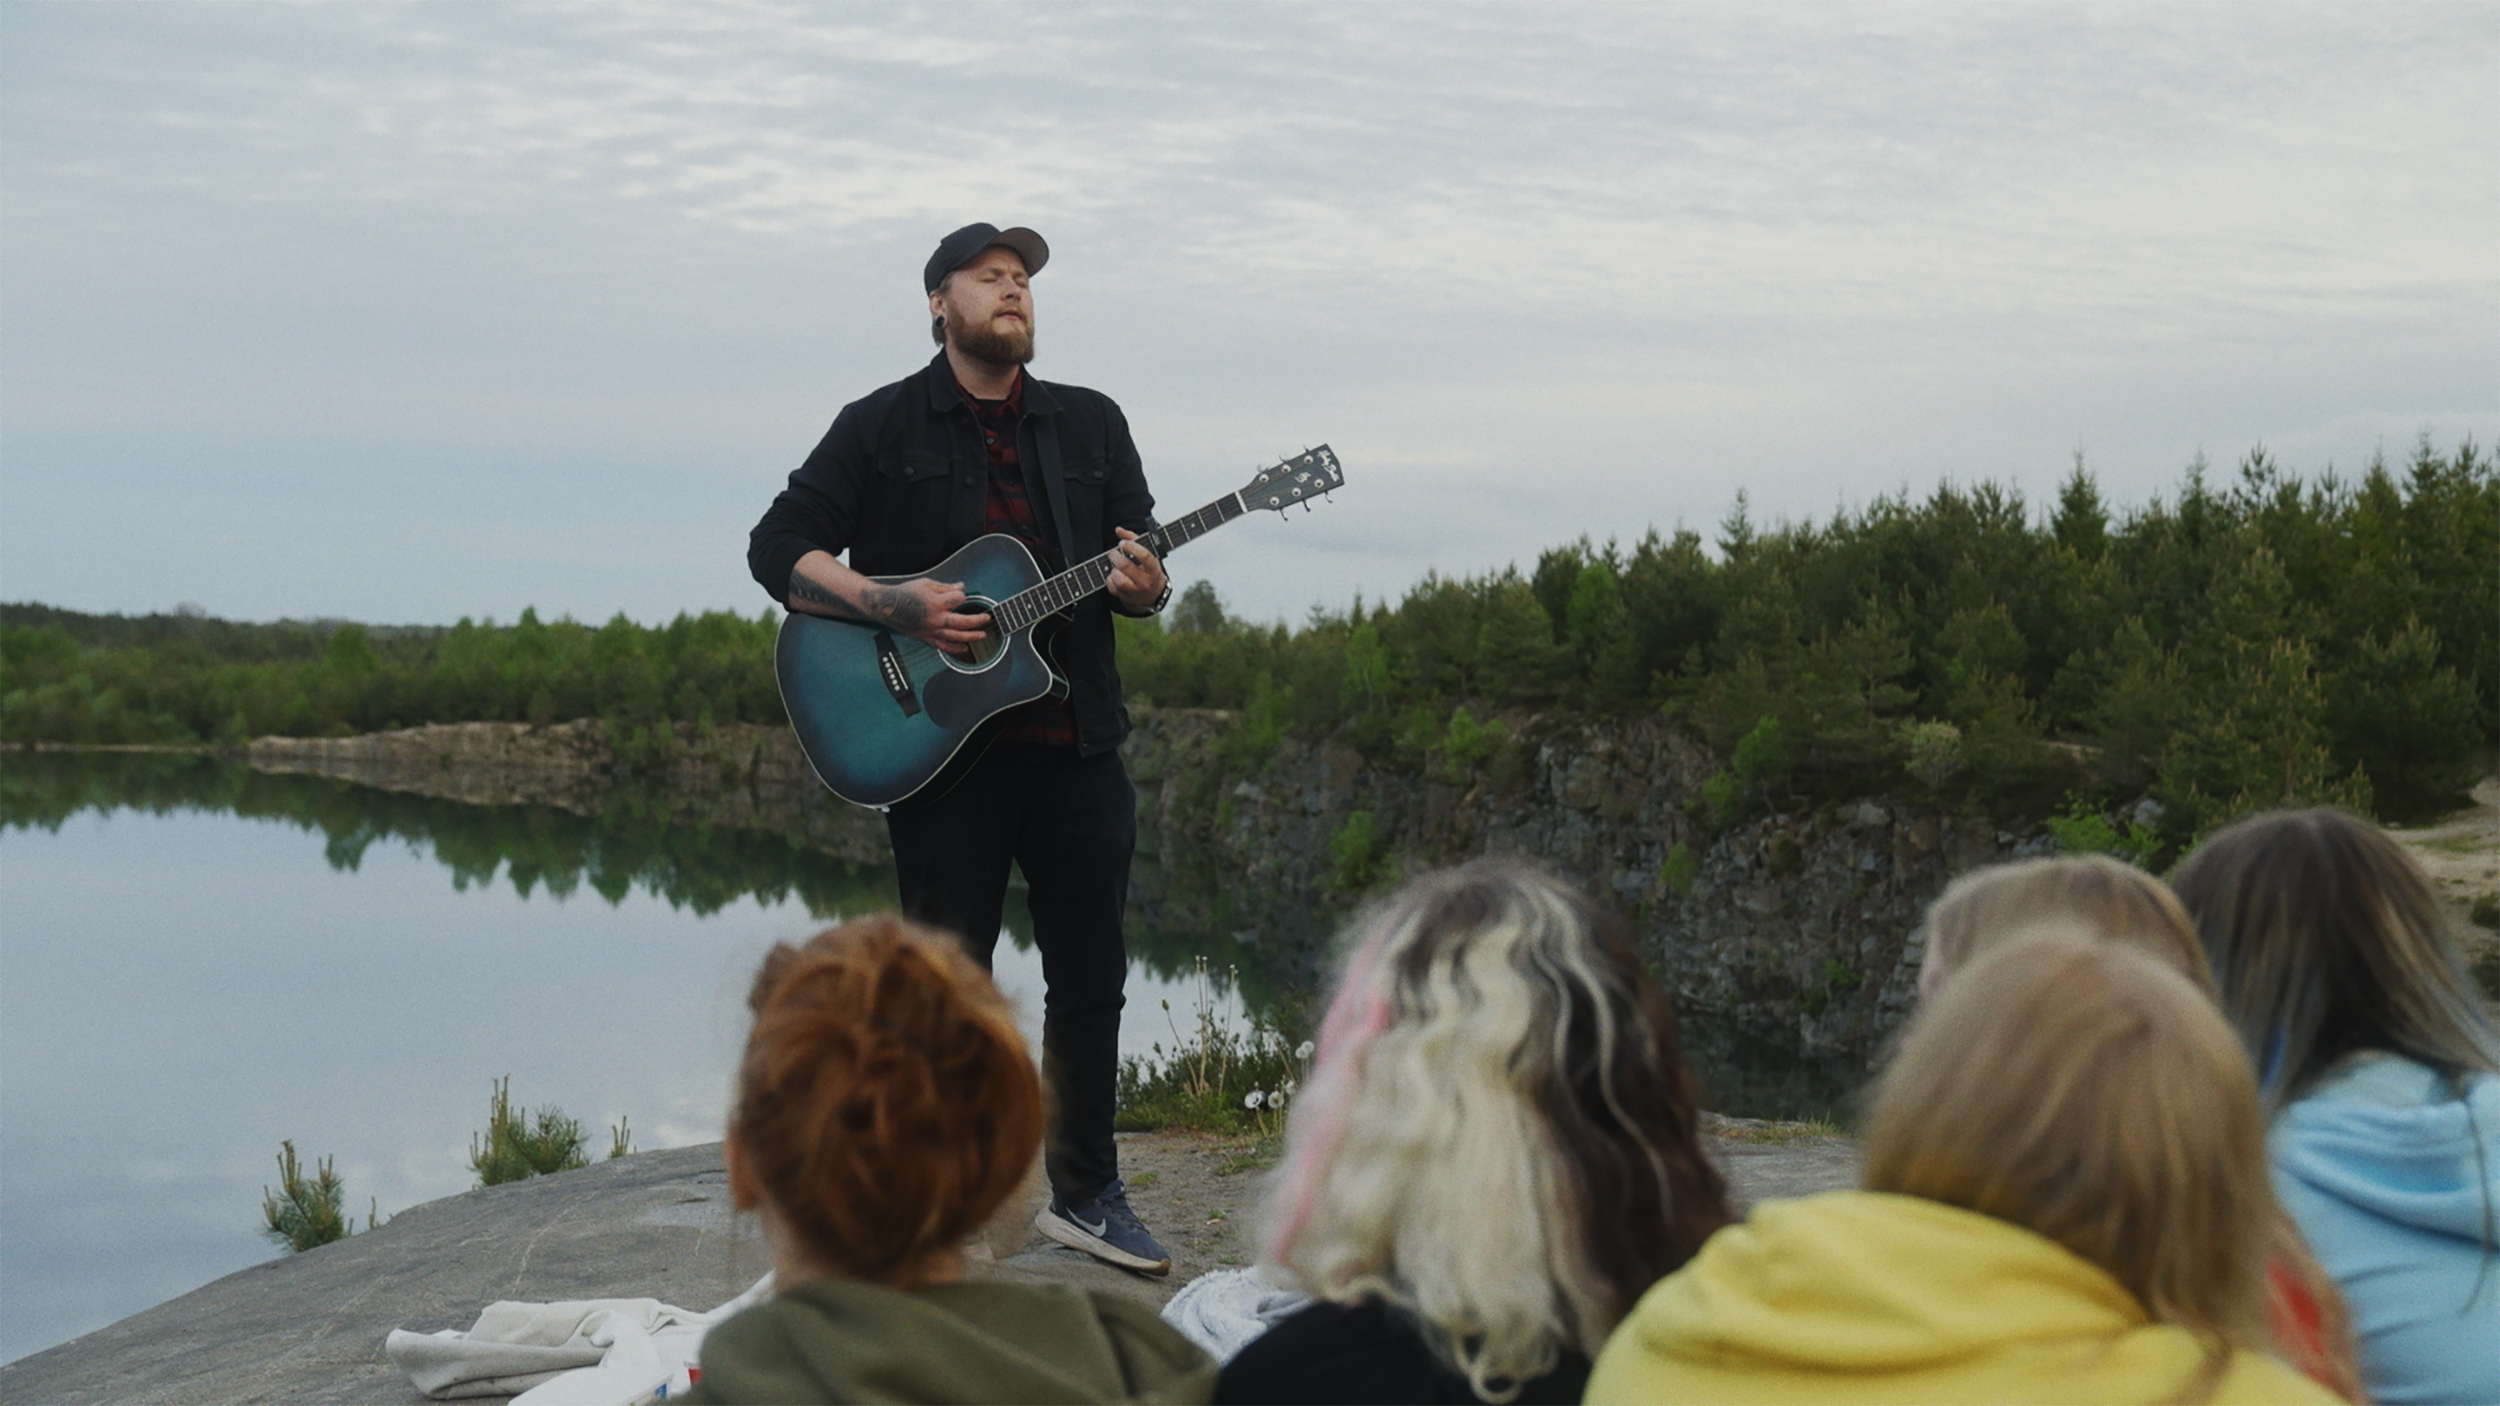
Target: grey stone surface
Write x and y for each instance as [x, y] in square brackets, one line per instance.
[1763, 1164]
[309, 1327]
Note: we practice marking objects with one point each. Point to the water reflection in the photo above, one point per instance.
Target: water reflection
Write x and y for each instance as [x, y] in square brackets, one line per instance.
[630, 845]
[202, 960]
[1182, 908]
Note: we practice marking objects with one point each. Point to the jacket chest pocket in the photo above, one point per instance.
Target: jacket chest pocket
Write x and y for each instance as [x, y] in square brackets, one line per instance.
[1086, 478]
[915, 497]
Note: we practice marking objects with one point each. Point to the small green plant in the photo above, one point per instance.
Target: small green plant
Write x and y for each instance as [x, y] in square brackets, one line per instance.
[1362, 856]
[1762, 758]
[1207, 1079]
[2084, 829]
[1467, 744]
[515, 1149]
[304, 1211]
[620, 1138]
[1718, 799]
[1930, 751]
[1679, 870]
[1758, 767]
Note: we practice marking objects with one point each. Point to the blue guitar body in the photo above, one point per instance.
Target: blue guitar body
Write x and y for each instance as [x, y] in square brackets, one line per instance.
[882, 715]
[879, 714]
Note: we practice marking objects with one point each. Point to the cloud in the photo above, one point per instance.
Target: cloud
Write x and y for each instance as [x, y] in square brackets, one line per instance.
[1818, 250]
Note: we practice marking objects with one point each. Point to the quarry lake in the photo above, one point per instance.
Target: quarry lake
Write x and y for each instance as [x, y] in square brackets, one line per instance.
[198, 961]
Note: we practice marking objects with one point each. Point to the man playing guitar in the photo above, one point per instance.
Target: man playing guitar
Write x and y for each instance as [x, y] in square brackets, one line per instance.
[966, 446]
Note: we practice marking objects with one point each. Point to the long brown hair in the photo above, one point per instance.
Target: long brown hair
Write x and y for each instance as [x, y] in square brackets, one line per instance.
[2325, 939]
[2090, 1094]
[886, 1104]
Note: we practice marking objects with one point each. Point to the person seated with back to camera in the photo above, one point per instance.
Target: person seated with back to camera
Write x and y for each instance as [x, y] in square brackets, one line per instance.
[885, 1108]
[2065, 1199]
[2381, 1072]
[2109, 901]
[1498, 1149]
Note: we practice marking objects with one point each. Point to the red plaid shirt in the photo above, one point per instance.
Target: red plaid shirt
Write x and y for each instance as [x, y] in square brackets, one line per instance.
[1009, 509]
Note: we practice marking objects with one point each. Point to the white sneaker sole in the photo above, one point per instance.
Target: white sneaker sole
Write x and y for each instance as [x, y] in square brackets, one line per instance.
[1067, 1232]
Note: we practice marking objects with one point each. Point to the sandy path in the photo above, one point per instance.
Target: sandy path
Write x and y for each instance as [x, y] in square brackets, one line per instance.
[2462, 856]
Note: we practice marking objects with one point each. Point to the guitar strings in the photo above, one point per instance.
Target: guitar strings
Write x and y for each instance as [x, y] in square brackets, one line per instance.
[1073, 583]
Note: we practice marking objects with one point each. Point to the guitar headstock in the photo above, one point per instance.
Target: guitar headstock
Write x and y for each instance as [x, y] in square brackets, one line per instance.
[1299, 479]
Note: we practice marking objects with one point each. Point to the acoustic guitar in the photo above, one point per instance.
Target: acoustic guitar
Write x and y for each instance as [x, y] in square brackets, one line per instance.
[881, 715]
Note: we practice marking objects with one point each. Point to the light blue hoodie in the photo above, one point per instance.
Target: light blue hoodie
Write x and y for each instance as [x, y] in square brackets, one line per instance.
[2396, 1183]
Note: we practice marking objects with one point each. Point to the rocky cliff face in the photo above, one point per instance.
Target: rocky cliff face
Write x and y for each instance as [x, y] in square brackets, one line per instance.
[1802, 926]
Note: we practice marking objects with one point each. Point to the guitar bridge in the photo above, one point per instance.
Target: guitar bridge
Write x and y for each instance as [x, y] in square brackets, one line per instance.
[897, 678]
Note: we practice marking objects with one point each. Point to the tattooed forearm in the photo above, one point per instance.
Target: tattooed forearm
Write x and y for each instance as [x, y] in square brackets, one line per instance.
[804, 588]
[896, 606]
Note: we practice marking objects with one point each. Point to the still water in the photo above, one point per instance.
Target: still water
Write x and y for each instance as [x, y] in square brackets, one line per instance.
[197, 961]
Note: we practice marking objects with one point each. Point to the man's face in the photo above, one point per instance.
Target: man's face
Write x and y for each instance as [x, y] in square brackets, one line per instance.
[988, 309]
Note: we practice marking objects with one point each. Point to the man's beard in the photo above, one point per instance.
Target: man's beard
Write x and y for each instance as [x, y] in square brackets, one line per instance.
[987, 343]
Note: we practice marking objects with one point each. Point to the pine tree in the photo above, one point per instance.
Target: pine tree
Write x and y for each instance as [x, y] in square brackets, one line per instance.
[1517, 660]
[1599, 631]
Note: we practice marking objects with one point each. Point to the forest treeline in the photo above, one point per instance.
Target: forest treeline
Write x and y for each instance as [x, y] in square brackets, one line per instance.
[2255, 638]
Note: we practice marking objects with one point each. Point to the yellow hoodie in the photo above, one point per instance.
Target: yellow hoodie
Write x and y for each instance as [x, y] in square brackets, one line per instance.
[1863, 1296]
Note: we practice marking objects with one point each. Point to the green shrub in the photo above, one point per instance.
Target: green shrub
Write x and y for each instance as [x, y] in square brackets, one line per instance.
[304, 1212]
[515, 1149]
[1719, 799]
[2084, 829]
[1466, 744]
[1361, 855]
[1931, 752]
[1678, 871]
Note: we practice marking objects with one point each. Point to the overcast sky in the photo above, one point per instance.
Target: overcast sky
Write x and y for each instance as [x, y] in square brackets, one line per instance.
[407, 312]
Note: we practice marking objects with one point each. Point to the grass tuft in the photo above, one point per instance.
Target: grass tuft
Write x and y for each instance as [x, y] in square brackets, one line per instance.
[1217, 1077]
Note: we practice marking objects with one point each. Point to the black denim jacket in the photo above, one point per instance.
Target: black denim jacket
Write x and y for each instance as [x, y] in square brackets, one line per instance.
[900, 481]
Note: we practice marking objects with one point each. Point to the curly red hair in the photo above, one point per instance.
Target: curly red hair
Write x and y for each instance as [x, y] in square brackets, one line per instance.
[886, 1104]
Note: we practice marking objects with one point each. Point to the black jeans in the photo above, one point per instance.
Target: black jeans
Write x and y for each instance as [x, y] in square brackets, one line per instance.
[1070, 823]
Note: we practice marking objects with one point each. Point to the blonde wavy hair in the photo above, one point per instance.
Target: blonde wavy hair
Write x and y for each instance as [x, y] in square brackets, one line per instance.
[2115, 902]
[2118, 1117]
[1500, 1136]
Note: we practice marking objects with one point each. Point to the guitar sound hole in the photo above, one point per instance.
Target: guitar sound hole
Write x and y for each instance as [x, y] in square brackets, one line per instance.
[987, 647]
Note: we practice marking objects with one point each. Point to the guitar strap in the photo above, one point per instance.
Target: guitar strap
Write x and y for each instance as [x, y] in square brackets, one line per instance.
[1055, 486]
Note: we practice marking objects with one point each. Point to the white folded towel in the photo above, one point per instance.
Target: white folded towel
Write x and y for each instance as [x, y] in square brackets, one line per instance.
[584, 1352]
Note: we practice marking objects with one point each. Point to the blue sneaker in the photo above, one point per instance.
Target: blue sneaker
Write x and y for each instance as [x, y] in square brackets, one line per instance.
[1106, 1229]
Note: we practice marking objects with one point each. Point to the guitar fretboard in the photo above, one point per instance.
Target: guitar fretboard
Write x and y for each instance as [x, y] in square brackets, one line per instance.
[1031, 605]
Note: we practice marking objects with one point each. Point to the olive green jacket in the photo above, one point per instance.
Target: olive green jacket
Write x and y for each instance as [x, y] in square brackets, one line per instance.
[839, 1340]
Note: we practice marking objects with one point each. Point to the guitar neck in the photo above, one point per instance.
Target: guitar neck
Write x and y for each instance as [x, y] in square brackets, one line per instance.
[1029, 606]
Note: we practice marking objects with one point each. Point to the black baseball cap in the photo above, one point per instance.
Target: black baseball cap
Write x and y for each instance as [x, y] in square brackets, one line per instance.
[964, 245]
